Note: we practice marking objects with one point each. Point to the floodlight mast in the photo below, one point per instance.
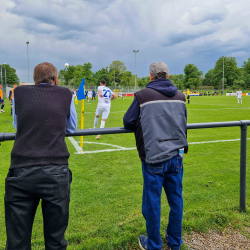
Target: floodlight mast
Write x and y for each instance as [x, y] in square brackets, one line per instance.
[28, 61]
[136, 51]
[223, 78]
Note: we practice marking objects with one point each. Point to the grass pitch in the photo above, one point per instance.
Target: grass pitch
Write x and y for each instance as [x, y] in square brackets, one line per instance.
[105, 207]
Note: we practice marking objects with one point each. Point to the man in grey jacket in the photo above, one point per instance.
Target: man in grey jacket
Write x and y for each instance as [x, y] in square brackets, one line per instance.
[159, 116]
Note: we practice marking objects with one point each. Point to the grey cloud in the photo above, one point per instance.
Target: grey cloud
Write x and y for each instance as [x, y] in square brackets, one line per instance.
[176, 38]
[212, 17]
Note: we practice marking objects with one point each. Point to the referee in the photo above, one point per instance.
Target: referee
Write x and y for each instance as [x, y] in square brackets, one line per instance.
[188, 95]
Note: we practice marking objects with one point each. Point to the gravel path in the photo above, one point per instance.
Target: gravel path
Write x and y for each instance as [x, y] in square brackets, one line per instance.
[228, 240]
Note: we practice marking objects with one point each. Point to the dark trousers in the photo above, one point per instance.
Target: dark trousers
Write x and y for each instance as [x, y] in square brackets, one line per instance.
[24, 187]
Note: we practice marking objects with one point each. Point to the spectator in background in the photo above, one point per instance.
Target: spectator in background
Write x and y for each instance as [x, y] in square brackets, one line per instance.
[188, 95]
[39, 161]
[11, 96]
[93, 94]
[1, 99]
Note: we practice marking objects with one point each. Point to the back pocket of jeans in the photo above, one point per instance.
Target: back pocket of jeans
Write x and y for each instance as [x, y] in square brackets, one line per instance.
[179, 164]
[155, 168]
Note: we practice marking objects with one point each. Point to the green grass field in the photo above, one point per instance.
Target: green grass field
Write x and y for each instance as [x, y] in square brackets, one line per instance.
[105, 207]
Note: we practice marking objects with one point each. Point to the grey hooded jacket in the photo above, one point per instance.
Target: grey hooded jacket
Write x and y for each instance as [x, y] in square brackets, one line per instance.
[161, 127]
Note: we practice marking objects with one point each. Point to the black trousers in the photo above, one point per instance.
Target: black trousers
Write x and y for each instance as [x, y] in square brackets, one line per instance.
[24, 187]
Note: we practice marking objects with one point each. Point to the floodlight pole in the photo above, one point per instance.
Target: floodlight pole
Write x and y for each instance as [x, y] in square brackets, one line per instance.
[28, 61]
[223, 78]
[114, 72]
[136, 51]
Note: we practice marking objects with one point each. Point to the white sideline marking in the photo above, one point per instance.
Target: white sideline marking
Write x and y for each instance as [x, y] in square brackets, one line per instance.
[105, 150]
[218, 109]
[100, 143]
[109, 112]
[75, 144]
[119, 148]
[215, 141]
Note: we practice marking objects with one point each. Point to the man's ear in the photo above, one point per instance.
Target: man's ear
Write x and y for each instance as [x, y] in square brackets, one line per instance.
[151, 77]
[168, 76]
[56, 81]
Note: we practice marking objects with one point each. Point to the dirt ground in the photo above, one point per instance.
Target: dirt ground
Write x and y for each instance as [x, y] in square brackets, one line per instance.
[227, 240]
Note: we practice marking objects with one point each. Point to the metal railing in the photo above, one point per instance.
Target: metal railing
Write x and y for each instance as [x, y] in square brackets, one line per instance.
[243, 148]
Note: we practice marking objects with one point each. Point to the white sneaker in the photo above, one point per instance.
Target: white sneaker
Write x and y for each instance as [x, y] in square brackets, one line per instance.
[2, 111]
[98, 137]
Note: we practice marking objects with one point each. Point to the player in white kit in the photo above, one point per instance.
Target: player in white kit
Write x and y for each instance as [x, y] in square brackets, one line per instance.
[120, 95]
[105, 95]
[89, 95]
[239, 95]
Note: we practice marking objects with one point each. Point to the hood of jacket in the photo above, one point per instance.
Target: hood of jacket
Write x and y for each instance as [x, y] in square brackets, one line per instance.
[164, 86]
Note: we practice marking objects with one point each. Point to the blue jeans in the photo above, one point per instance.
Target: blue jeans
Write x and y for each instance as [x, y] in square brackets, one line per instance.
[168, 174]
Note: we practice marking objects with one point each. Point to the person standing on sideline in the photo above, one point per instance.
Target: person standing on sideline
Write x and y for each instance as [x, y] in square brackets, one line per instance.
[188, 95]
[42, 114]
[158, 115]
[11, 96]
[1, 99]
[105, 95]
[239, 95]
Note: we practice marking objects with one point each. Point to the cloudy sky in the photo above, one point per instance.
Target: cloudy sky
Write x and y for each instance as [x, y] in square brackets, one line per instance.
[177, 32]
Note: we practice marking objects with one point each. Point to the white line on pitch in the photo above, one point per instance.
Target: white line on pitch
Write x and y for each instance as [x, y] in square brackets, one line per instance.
[79, 149]
[105, 150]
[215, 141]
[100, 143]
[218, 109]
[75, 144]
[110, 112]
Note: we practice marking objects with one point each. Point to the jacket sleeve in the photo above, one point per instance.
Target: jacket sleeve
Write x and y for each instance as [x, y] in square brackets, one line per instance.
[132, 114]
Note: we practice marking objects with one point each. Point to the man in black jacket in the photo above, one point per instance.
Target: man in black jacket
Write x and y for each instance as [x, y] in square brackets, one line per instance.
[42, 115]
[159, 116]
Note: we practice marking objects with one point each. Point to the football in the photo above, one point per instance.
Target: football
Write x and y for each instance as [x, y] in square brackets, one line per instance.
[66, 65]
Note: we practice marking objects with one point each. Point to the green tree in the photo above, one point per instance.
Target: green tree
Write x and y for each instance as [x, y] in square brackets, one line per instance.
[231, 72]
[142, 82]
[193, 73]
[126, 78]
[87, 73]
[102, 74]
[246, 74]
[207, 81]
[116, 70]
[11, 76]
[68, 74]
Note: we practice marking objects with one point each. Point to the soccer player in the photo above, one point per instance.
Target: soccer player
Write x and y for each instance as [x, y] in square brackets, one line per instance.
[93, 94]
[239, 95]
[89, 95]
[1, 99]
[188, 95]
[120, 95]
[11, 96]
[105, 95]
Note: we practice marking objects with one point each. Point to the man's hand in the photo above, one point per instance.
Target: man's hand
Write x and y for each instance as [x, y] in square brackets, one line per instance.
[113, 97]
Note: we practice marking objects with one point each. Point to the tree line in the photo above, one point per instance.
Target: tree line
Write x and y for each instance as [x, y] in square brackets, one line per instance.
[9, 75]
[116, 74]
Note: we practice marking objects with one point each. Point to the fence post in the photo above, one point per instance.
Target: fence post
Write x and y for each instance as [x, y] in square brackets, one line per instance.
[243, 156]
